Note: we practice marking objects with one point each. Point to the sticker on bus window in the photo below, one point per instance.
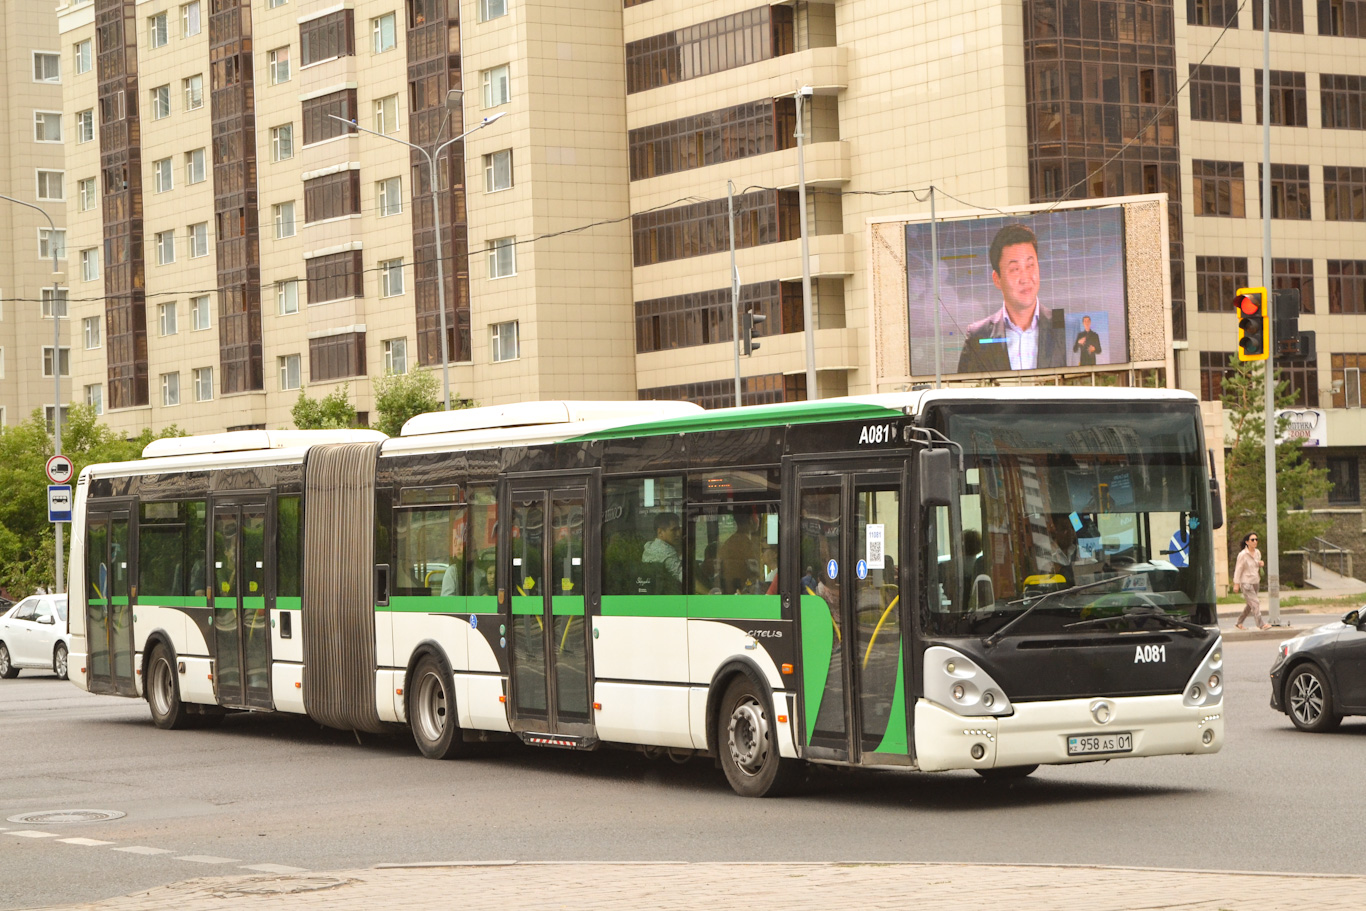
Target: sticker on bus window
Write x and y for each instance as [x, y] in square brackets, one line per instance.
[773, 528]
[875, 540]
[832, 569]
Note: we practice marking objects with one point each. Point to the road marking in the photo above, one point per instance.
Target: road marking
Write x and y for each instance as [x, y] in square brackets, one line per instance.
[274, 868]
[139, 849]
[22, 833]
[208, 859]
[87, 842]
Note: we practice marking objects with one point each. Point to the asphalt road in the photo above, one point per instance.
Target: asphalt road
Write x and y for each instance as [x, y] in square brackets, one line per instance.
[281, 791]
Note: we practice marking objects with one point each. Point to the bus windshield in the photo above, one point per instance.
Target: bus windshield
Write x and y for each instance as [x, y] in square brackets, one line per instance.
[1107, 507]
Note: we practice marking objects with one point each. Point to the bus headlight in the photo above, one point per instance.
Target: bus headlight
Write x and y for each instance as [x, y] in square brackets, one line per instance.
[1206, 685]
[955, 682]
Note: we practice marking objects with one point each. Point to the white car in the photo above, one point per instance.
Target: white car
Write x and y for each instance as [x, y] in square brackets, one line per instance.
[34, 634]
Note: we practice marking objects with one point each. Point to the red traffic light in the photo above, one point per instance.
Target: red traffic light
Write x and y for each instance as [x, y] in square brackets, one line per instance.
[1249, 305]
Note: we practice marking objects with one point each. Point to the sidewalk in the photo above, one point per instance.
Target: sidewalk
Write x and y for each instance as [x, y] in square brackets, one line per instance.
[673, 887]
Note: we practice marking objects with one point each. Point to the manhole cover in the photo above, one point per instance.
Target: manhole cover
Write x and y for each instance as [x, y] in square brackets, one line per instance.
[59, 817]
[285, 885]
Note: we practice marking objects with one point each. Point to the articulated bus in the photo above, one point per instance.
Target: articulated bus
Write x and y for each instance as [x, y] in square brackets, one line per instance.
[981, 579]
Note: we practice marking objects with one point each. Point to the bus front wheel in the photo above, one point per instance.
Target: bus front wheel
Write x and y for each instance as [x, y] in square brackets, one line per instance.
[431, 710]
[747, 743]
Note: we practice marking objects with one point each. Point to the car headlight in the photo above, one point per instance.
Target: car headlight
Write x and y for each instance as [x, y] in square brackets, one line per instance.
[955, 681]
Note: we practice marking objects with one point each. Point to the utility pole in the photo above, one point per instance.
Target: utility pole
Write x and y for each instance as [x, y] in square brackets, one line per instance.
[1273, 555]
[734, 290]
[809, 329]
[934, 294]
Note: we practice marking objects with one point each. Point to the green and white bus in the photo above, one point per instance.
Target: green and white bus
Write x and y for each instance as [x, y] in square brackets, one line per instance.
[985, 579]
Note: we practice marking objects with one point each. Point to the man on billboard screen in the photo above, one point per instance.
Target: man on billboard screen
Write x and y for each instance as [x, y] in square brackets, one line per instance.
[1022, 335]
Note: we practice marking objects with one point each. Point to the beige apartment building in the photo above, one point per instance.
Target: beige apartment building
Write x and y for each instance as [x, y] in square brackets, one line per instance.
[260, 246]
[34, 67]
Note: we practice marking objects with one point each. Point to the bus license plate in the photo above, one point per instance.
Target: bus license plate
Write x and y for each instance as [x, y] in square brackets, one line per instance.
[1085, 744]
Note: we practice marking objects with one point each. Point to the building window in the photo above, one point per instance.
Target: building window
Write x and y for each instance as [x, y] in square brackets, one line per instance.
[1286, 16]
[327, 37]
[170, 389]
[50, 241]
[1303, 379]
[64, 360]
[390, 277]
[47, 126]
[1347, 286]
[162, 179]
[713, 137]
[157, 32]
[318, 114]
[1344, 193]
[165, 248]
[332, 196]
[1289, 104]
[191, 20]
[283, 215]
[502, 257]
[199, 239]
[709, 47]
[1344, 18]
[52, 185]
[203, 384]
[290, 377]
[1343, 100]
[503, 342]
[86, 191]
[498, 171]
[199, 313]
[1297, 274]
[1213, 366]
[1216, 94]
[1344, 481]
[47, 414]
[703, 317]
[1289, 191]
[761, 217]
[493, 9]
[335, 357]
[194, 166]
[94, 397]
[275, 4]
[166, 319]
[90, 264]
[160, 98]
[1215, 13]
[85, 125]
[63, 299]
[287, 297]
[194, 92]
[1217, 280]
[396, 356]
[82, 56]
[91, 328]
[386, 114]
[1347, 377]
[1218, 188]
[282, 142]
[389, 197]
[47, 67]
[334, 277]
[384, 32]
[497, 86]
[279, 65]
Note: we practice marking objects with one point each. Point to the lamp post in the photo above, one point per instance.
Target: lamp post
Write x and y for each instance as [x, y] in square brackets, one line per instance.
[432, 158]
[56, 370]
[804, 92]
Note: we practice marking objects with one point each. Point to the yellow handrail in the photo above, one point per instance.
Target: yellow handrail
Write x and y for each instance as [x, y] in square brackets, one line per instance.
[878, 629]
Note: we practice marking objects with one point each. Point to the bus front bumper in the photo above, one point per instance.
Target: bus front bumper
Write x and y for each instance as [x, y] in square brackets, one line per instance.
[1039, 733]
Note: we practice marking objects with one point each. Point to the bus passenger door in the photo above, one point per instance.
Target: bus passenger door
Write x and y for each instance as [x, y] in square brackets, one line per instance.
[849, 613]
[241, 603]
[547, 574]
[109, 593]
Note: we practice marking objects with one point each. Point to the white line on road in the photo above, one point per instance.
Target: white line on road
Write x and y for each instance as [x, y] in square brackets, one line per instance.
[208, 859]
[139, 849]
[274, 868]
[86, 842]
[22, 833]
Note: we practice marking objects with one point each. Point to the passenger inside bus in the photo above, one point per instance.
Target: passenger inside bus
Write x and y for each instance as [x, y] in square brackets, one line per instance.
[739, 555]
[662, 550]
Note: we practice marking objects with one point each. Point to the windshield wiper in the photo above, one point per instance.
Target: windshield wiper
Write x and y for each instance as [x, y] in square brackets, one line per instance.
[1142, 612]
[995, 637]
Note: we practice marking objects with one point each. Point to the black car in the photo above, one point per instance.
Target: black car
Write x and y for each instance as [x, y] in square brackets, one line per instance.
[1321, 676]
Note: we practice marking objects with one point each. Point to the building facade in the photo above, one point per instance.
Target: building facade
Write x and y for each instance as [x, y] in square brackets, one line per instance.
[31, 170]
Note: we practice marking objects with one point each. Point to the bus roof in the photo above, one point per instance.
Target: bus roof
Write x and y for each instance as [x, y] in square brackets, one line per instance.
[248, 440]
[541, 414]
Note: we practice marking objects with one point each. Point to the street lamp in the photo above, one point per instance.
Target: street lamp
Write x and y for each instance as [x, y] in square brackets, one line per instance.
[56, 368]
[436, 223]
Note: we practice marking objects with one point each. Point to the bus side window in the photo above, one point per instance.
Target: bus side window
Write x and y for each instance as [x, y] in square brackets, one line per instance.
[481, 551]
[430, 534]
[642, 533]
[171, 549]
[736, 549]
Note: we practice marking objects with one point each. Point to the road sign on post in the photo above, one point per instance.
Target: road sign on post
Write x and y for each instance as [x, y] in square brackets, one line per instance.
[59, 502]
[59, 469]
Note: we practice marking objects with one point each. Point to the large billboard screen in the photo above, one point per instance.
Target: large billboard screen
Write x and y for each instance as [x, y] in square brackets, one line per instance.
[1021, 292]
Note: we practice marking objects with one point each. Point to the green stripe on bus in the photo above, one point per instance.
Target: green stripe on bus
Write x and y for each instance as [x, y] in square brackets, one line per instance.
[818, 642]
[288, 603]
[735, 607]
[424, 604]
[894, 739]
[527, 606]
[225, 603]
[753, 416]
[645, 605]
[566, 605]
[145, 600]
[254, 603]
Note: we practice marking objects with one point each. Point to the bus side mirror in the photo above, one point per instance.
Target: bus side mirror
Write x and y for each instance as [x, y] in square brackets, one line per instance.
[937, 479]
[1216, 503]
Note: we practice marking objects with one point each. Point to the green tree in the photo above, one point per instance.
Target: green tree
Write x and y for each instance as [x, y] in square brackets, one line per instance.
[1297, 481]
[333, 411]
[399, 397]
[27, 539]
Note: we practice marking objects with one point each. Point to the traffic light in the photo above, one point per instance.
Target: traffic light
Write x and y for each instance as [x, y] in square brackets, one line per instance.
[1253, 325]
[749, 321]
[1291, 343]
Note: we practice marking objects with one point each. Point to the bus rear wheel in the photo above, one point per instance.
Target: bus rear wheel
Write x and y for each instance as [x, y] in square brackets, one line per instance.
[431, 710]
[163, 692]
[748, 745]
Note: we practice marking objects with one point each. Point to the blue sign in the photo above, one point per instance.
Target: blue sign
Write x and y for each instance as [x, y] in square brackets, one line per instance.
[862, 569]
[59, 502]
[832, 569]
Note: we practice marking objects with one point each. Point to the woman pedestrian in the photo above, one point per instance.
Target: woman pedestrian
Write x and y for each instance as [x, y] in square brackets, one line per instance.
[1247, 575]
